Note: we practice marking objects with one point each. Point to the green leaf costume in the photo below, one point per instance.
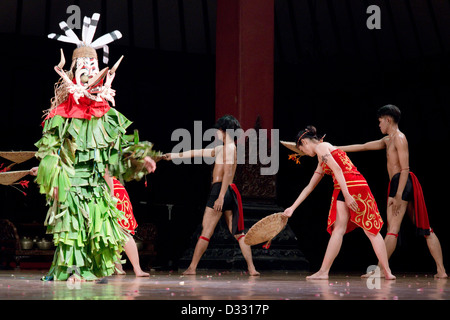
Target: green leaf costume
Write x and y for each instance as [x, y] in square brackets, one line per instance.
[74, 154]
[82, 137]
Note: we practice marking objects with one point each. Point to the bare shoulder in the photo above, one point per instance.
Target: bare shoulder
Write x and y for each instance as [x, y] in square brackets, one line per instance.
[400, 139]
[230, 153]
[323, 151]
[230, 148]
[324, 148]
[218, 149]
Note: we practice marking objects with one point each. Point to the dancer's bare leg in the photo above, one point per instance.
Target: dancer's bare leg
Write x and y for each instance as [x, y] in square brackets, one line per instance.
[132, 253]
[245, 248]
[335, 242]
[436, 252]
[380, 250]
[119, 270]
[394, 222]
[210, 220]
[247, 253]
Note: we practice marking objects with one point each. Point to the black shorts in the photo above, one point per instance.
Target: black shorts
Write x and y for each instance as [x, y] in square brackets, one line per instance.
[228, 201]
[408, 192]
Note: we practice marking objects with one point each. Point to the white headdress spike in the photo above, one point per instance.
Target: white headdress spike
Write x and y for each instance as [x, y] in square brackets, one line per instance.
[63, 38]
[86, 23]
[91, 29]
[105, 54]
[105, 39]
[69, 32]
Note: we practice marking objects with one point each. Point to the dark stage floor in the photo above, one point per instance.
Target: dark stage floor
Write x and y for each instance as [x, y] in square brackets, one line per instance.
[215, 285]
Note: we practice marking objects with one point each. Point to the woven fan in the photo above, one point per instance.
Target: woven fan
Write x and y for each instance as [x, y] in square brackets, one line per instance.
[266, 229]
[17, 156]
[8, 178]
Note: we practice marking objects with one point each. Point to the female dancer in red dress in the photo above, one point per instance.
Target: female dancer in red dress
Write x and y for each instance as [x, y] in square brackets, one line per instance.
[130, 223]
[352, 203]
[124, 205]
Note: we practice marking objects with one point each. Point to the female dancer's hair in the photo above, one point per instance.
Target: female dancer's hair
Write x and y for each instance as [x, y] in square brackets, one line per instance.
[309, 132]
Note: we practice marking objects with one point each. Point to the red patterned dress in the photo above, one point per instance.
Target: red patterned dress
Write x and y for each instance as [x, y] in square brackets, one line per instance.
[124, 205]
[367, 216]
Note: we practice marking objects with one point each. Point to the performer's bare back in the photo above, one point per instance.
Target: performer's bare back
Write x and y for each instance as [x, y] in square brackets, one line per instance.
[219, 165]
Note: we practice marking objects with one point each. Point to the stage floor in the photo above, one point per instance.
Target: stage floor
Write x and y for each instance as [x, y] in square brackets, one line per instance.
[223, 285]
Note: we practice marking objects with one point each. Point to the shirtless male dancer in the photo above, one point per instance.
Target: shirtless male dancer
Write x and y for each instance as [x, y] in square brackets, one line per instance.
[405, 192]
[224, 197]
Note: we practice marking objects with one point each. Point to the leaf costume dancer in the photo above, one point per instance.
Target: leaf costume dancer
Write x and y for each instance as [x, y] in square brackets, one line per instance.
[82, 146]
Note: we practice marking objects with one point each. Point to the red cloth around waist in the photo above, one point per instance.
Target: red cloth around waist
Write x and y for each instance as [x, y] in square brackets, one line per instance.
[419, 215]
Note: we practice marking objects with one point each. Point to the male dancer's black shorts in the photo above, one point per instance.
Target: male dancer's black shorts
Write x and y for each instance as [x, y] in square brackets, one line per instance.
[230, 202]
[408, 192]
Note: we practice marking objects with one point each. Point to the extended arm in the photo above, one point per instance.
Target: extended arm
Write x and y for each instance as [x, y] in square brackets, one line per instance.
[372, 145]
[315, 179]
[190, 154]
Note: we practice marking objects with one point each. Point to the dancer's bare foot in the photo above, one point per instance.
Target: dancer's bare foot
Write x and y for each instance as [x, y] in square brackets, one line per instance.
[74, 278]
[140, 273]
[441, 275]
[189, 271]
[253, 273]
[119, 273]
[389, 276]
[319, 275]
[119, 270]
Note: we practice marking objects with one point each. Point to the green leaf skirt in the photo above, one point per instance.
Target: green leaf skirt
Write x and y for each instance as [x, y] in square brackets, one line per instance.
[74, 154]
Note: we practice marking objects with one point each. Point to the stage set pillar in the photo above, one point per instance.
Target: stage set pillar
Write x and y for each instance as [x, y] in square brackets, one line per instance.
[244, 79]
[245, 61]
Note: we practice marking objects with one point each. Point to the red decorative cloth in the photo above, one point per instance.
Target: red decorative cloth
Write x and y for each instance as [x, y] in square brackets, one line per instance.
[419, 212]
[367, 216]
[125, 206]
[240, 208]
[85, 109]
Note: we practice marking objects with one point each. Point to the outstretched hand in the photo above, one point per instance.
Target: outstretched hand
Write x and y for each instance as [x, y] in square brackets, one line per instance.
[34, 171]
[288, 212]
[149, 164]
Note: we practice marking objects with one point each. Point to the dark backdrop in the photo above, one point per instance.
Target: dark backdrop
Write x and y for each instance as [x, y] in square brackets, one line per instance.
[330, 71]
